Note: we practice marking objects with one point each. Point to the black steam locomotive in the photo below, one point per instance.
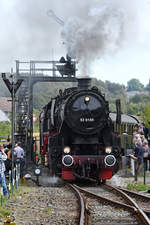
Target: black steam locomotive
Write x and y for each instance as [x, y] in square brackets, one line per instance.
[76, 132]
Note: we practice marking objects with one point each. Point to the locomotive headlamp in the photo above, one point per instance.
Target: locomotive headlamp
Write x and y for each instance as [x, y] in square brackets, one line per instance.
[108, 150]
[67, 149]
[67, 160]
[87, 99]
[110, 160]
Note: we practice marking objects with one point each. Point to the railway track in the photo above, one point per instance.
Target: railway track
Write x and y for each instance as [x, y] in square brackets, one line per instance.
[142, 200]
[92, 205]
[139, 210]
[99, 206]
[83, 212]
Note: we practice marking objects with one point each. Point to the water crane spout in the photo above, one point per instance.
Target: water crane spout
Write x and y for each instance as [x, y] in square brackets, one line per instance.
[51, 14]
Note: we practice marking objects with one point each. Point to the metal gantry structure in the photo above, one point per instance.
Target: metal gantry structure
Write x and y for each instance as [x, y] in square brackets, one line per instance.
[32, 72]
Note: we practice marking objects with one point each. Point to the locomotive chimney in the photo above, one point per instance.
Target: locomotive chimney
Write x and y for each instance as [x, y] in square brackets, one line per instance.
[84, 83]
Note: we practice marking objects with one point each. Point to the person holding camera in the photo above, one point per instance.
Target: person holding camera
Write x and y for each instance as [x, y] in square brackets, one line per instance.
[3, 157]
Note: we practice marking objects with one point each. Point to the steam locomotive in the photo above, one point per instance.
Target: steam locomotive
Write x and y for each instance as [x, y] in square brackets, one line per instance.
[76, 134]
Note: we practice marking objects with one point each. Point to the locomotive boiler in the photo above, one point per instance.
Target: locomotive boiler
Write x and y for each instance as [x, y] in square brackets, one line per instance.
[76, 132]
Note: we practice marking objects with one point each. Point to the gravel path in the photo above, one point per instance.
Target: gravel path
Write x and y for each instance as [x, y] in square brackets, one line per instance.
[43, 206]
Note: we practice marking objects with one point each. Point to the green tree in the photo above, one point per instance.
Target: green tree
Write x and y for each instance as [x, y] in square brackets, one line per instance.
[114, 87]
[43, 92]
[134, 85]
[112, 107]
[148, 86]
[132, 109]
[99, 84]
[135, 109]
[146, 114]
[140, 98]
[5, 129]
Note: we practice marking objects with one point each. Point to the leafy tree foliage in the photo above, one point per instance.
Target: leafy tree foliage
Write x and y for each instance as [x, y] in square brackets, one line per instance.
[43, 92]
[134, 85]
[148, 86]
[112, 107]
[140, 98]
[114, 88]
[99, 84]
[146, 114]
[5, 129]
[135, 109]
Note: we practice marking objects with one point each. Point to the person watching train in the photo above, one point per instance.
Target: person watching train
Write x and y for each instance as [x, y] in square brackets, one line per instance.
[146, 155]
[8, 162]
[19, 157]
[138, 154]
[148, 133]
[136, 136]
[3, 158]
[143, 139]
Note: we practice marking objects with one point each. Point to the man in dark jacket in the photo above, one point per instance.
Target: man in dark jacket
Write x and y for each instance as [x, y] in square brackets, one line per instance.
[138, 153]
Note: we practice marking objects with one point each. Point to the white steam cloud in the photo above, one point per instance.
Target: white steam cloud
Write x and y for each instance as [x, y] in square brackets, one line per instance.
[106, 28]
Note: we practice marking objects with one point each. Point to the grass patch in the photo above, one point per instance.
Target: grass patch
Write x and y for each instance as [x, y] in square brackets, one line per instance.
[48, 210]
[4, 211]
[21, 190]
[137, 186]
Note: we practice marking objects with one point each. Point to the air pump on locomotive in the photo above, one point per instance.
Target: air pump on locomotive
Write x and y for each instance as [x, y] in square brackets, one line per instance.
[77, 138]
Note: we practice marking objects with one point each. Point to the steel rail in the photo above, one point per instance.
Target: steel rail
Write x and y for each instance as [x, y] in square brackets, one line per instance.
[139, 211]
[133, 209]
[135, 194]
[104, 199]
[83, 210]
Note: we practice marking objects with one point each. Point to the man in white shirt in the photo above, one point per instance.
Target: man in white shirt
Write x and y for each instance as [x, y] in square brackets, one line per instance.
[19, 151]
[19, 156]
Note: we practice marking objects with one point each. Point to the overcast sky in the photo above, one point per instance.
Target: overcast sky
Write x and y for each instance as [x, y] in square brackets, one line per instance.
[111, 38]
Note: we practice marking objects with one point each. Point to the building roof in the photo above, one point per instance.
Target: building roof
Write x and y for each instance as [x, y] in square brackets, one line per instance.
[3, 117]
[5, 104]
[125, 118]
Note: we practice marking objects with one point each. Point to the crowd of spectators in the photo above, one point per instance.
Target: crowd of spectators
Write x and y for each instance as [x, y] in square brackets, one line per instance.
[141, 146]
[3, 158]
[6, 162]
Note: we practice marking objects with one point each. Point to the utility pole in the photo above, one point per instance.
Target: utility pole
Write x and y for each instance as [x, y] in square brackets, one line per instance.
[13, 129]
[12, 87]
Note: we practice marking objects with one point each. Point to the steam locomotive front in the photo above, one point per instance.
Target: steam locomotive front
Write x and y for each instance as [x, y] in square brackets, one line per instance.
[88, 151]
[86, 111]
